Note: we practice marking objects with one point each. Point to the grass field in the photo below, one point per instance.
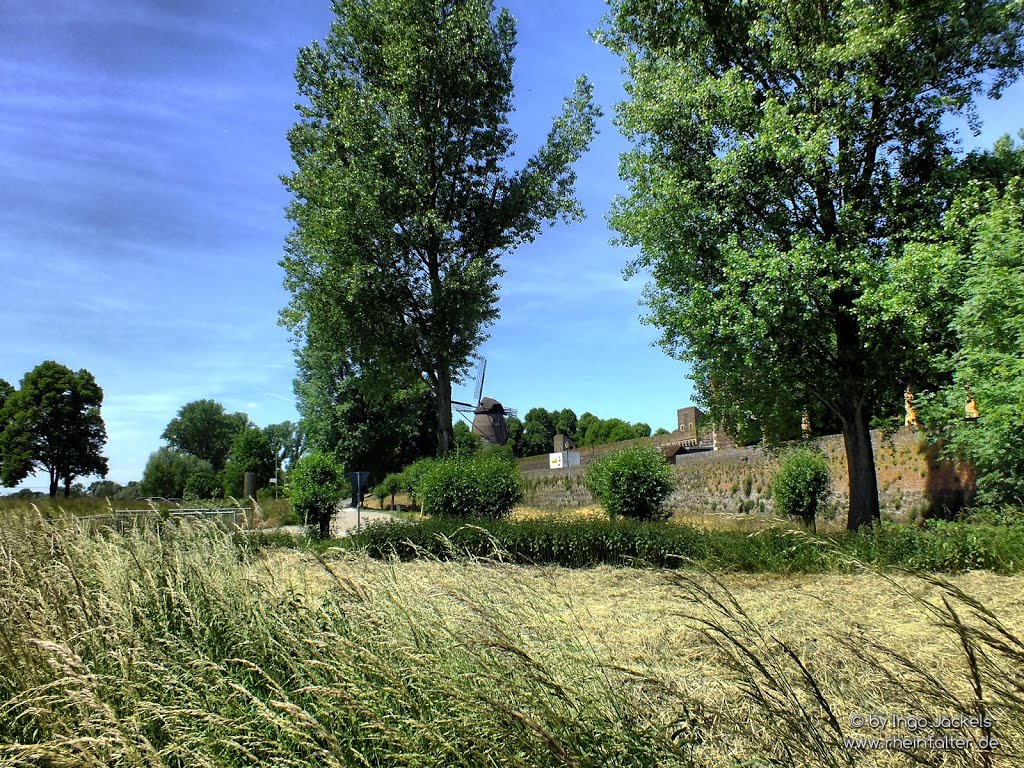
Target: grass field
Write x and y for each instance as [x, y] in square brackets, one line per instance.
[174, 646]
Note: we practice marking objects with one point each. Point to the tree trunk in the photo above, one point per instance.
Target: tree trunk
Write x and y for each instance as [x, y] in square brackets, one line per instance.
[67, 487]
[860, 459]
[860, 463]
[325, 523]
[54, 483]
[444, 409]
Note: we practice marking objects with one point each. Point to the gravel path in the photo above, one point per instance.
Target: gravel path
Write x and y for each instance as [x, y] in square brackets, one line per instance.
[344, 521]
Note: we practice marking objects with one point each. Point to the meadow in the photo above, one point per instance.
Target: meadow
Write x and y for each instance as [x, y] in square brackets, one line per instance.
[182, 644]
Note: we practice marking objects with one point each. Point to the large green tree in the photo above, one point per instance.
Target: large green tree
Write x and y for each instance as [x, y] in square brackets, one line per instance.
[52, 422]
[988, 354]
[369, 420]
[168, 471]
[251, 451]
[402, 200]
[204, 429]
[784, 151]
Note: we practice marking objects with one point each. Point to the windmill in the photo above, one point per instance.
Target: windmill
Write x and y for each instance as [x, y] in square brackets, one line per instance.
[488, 414]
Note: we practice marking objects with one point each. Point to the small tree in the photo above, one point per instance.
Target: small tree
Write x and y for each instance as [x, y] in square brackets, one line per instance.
[316, 484]
[392, 484]
[801, 484]
[633, 482]
[467, 442]
[380, 493]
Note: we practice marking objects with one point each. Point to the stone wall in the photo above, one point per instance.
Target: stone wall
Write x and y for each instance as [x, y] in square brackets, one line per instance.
[911, 482]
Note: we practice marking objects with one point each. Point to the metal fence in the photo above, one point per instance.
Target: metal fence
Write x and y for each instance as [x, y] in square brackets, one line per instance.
[122, 519]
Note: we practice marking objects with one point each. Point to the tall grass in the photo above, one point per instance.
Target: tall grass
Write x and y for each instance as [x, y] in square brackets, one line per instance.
[173, 646]
[170, 646]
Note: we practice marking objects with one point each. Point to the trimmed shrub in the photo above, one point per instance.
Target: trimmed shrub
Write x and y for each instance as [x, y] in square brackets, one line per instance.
[475, 486]
[633, 482]
[412, 475]
[202, 485]
[801, 484]
[316, 483]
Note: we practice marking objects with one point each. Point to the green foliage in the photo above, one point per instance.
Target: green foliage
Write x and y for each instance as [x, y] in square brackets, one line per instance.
[538, 431]
[989, 330]
[801, 484]
[633, 482]
[473, 487]
[201, 485]
[588, 542]
[394, 256]
[466, 442]
[516, 441]
[781, 159]
[287, 440]
[251, 451]
[167, 472]
[595, 431]
[104, 489]
[315, 486]
[392, 484]
[413, 475]
[53, 423]
[368, 418]
[204, 429]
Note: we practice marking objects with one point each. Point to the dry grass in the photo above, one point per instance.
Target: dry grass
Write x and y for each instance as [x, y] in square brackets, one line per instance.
[866, 640]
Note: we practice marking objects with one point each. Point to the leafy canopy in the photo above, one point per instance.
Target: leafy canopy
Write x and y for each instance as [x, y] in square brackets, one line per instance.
[52, 423]
[168, 471]
[204, 429]
[783, 153]
[402, 203]
[988, 361]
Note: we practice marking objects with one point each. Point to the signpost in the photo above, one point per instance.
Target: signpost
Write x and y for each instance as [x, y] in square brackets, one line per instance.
[358, 481]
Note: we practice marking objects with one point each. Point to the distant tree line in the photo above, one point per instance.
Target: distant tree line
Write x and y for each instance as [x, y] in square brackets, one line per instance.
[209, 451]
[535, 434]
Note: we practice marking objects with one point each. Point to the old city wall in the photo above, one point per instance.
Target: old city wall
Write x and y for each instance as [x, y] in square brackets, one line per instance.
[911, 481]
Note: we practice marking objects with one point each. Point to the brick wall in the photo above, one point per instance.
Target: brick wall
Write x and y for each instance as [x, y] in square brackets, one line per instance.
[911, 481]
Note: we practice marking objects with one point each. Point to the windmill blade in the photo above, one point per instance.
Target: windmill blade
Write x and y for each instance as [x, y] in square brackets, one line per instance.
[481, 372]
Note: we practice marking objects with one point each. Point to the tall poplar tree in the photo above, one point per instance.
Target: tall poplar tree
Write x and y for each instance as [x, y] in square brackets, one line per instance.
[403, 203]
[784, 151]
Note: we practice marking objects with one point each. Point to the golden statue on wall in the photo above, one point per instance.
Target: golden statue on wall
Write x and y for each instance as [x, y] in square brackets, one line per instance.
[910, 419]
[971, 409]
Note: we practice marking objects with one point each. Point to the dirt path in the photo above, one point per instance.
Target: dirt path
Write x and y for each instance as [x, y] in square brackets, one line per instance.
[344, 520]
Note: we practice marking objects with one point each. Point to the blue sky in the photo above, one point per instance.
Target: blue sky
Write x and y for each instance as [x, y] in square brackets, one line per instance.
[141, 215]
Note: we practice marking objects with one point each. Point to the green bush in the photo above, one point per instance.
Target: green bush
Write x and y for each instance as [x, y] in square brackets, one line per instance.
[585, 543]
[475, 486]
[633, 482]
[202, 485]
[801, 484]
[316, 483]
[413, 474]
